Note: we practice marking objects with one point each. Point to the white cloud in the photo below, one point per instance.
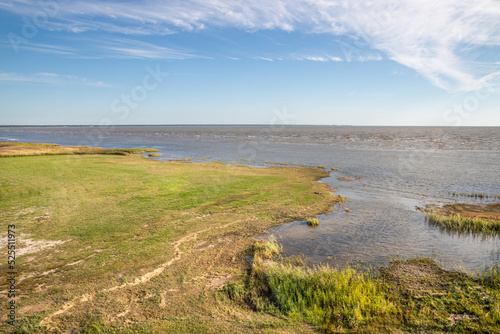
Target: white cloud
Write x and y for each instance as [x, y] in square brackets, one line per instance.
[122, 48]
[438, 39]
[335, 58]
[266, 58]
[51, 79]
[324, 58]
[134, 49]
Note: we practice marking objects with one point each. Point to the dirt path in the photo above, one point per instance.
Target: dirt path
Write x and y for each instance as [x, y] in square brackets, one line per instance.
[47, 321]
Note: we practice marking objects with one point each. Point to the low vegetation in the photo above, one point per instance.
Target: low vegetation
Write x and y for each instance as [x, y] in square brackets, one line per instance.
[154, 155]
[16, 149]
[409, 296]
[117, 243]
[475, 195]
[475, 218]
[348, 179]
[125, 244]
[312, 222]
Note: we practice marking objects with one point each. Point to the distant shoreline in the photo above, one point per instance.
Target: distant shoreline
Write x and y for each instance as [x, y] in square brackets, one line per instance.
[241, 125]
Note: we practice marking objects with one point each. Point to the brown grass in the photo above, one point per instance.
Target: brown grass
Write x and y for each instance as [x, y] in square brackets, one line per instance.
[486, 212]
[16, 149]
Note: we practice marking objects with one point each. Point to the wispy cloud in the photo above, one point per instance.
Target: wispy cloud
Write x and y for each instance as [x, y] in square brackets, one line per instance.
[438, 39]
[106, 47]
[266, 58]
[134, 49]
[51, 79]
[54, 49]
[323, 58]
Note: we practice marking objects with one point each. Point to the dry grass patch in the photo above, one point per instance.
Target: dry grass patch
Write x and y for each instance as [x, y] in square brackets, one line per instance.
[16, 149]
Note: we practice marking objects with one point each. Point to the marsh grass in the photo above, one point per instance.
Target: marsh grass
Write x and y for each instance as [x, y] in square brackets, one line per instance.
[267, 249]
[461, 224]
[312, 222]
[342, 199]
[330, 299]
[413, 295]
[154, 155]
[475, 195]
[16, 149]
[180, 160]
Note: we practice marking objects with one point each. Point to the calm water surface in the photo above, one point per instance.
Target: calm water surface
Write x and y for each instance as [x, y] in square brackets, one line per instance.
[399, 168]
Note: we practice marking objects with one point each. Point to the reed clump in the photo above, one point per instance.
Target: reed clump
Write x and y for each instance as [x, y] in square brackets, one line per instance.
[312, 222]
[480, 196]
[462, 224]
[154, 155]
[414, 295]
[267, 249]
[342, 199]
[331, 299]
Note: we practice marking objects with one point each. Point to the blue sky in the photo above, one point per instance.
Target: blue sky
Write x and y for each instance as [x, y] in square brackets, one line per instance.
[371, 62]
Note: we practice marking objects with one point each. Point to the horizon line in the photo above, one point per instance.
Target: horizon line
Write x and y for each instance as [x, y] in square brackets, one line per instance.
[236, 124]
[256, 125]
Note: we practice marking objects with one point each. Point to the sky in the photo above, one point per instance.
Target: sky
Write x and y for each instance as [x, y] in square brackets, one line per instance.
[338, 62]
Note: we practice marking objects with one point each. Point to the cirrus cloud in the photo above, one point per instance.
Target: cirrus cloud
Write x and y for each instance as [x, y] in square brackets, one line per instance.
[50, 79]
[452, 43]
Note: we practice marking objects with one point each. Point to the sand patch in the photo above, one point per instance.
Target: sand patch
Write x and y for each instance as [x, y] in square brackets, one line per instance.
[26, 245]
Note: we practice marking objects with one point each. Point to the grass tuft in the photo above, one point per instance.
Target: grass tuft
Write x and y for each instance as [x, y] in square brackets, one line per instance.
[312, 222]
[267, 249]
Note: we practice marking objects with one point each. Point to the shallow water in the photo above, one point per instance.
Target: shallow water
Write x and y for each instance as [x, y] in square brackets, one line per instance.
[398, 168]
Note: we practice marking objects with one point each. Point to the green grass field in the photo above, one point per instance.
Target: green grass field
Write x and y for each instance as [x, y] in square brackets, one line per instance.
[117, 243]
[128, 244]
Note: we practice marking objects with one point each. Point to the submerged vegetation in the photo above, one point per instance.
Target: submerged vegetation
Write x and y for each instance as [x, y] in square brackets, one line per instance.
[412, 295]
[342, 199]
[475, 195]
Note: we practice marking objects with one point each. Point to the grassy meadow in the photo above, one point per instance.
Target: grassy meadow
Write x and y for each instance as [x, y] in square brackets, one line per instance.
[124, 244]
[111, 242]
